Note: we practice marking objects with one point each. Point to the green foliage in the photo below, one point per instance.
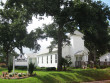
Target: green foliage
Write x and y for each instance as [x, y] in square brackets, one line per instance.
[51, 69]
[24, 74]
[66, 62]
[31, 68]
[34, 36]
[10, 67]
[41, 68]
[21, 67]
[19, 74]
[10, 74]
[90, 17]
[92, 20]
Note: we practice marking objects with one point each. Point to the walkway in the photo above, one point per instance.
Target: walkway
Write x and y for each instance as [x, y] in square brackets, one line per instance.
[104, 81]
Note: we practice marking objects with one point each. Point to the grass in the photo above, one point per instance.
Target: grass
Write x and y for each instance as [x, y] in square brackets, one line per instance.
[73, 76]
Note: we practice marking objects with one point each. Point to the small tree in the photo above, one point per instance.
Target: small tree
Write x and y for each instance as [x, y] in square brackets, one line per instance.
[31, 68]
[66, 63]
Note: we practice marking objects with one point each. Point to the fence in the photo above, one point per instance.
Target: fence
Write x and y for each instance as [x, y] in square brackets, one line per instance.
[100, 63]
[104, 63]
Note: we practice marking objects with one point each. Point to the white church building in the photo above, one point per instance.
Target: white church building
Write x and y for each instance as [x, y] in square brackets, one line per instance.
[76, 50]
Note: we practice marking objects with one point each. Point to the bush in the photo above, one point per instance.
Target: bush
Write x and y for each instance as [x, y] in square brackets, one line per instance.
[19, 74]
[51, 69]
[21, 67]
[41, 69]
[31, 68]
[104, 66]
[10, 74]
[10, 67]
[97, 66]
[24, 74]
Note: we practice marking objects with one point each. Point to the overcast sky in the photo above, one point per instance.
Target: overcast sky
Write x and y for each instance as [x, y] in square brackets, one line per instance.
[38, 23]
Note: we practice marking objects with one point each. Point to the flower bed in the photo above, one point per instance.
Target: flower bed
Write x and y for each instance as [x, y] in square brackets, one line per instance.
[16, 75]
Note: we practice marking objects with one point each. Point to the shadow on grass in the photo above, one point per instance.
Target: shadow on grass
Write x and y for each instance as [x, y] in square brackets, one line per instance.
[95, 74]
[71, 78]
[47, 79]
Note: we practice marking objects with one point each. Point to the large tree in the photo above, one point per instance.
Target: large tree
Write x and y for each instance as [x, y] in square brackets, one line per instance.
[12, 26]
[94, 25]
[65, 12]
[57, 8]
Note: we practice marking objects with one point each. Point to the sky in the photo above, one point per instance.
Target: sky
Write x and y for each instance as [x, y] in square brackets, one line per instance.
[105, 1]
[38, 23]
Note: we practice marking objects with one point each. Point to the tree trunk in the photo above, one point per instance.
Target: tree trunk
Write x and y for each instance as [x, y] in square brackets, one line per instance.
[7, 59]
[21, 50]
[94, 55]
[59, 66]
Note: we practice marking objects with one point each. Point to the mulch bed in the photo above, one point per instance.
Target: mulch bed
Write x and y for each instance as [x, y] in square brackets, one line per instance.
[6, 75]
[13, 77]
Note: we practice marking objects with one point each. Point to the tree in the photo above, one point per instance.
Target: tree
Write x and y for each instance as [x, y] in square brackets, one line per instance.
[34, 36]
[51, 31]
[95, 28]
[65, 13]
[52, 8]
[12, 30]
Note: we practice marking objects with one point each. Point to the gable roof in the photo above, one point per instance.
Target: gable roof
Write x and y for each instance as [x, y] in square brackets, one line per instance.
[106, 54]
[21, 57]
[47, 52]
[76, 32]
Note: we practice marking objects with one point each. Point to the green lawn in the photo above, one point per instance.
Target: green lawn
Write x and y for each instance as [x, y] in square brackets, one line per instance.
[74, 76]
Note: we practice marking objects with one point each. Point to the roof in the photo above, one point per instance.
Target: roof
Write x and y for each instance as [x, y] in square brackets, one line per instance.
[21, 57]
[47, 52]
[76, 32]
[81, 52]
[41, 53]
[30, 55]
[106, 54]
[86, 50]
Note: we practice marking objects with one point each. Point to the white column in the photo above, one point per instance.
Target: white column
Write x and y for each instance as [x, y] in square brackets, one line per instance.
[13, 64]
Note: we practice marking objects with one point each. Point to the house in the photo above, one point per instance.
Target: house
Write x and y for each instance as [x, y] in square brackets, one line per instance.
[105, 58]
[76, 51]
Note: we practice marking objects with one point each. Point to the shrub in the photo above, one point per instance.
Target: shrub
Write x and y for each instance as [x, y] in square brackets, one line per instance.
[10, 67]
[24, 74]
[97, 66]
[21, 67]
[50, 68]
[19, 74]
[10, 74]
[31, 68]
[16, 73]
[104, 66]
[41, 69]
